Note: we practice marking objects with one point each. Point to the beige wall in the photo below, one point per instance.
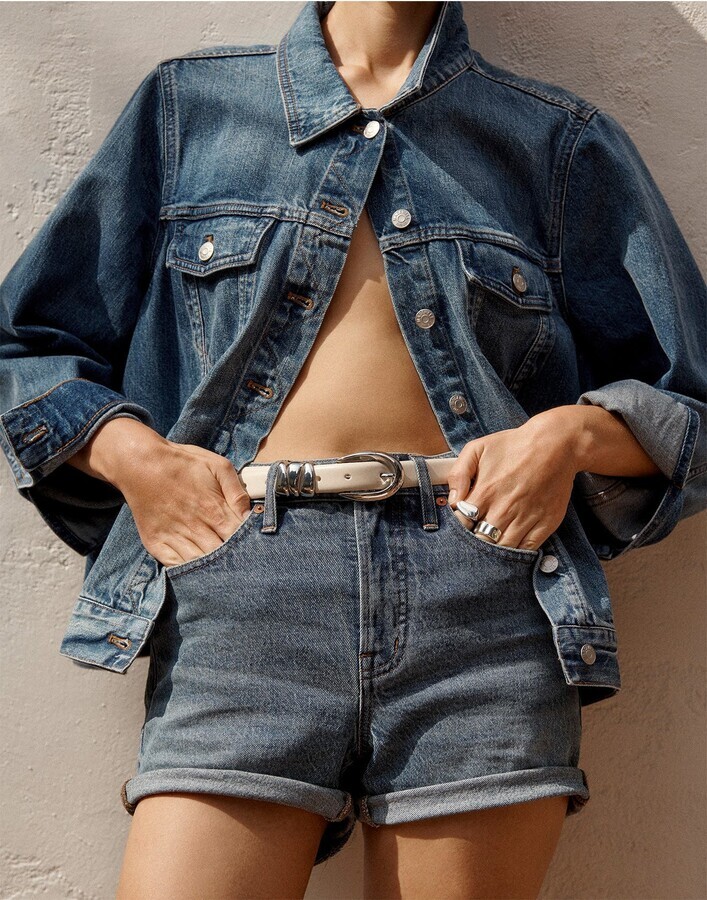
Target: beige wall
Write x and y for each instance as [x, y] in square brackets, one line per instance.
[66, 70]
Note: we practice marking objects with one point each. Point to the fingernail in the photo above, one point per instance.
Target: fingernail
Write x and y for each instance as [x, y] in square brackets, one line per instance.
[452, 496]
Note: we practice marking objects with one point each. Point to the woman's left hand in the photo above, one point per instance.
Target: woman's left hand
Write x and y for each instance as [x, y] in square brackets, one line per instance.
[521, 479]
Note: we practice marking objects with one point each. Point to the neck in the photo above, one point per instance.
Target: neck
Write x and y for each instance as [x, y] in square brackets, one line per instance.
[374, 45]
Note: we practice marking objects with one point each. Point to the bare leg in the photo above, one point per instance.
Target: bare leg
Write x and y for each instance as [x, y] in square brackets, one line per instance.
[181, 846]
[502, 852]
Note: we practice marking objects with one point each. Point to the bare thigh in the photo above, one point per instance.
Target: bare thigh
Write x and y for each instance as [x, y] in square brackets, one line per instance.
[181, 846]
[501, 852]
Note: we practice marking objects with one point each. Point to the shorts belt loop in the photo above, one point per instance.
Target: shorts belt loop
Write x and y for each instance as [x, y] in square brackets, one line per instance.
[427, 496]
[270, 511]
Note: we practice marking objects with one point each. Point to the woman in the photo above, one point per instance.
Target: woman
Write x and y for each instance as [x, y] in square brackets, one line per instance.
[411, 647]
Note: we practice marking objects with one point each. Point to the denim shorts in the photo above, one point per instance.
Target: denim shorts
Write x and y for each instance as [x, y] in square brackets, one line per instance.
[369, 660]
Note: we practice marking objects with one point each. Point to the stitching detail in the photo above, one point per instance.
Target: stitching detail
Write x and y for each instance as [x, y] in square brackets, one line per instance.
[403, 105]
[217, 52]
[690, 434]
[561, 223]
[286, 83]
[158, 229]
[113, 609]
[57, 450]
[365, 813]
[534, 91]
[209, 557]
[695, 471]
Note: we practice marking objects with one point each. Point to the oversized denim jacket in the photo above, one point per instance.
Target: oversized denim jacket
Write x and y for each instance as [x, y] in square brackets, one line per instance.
[537, 236]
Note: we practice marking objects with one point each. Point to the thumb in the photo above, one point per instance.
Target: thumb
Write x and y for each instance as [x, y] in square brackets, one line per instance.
[233, 489]
[463, 472]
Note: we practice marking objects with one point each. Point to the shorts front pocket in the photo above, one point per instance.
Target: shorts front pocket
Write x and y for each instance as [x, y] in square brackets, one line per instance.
[206, 559]
[513, 554]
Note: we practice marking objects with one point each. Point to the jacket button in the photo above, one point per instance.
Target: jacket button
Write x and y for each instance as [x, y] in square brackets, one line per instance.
[401, 218]
[372, 128]
[519, 282]
[549, 563]
[457, 403]
[425, 318]
[588, 654]
[206, 251]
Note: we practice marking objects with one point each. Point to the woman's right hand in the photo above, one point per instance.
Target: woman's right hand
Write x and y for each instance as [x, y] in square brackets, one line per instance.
[186, 500]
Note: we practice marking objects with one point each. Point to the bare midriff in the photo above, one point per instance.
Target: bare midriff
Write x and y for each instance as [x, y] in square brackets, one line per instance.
[358, 388]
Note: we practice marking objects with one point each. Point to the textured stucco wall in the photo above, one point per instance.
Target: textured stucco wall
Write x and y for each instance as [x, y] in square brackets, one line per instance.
[66, 70]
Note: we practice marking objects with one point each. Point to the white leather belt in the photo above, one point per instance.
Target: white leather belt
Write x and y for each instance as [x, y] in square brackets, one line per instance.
[369, 475]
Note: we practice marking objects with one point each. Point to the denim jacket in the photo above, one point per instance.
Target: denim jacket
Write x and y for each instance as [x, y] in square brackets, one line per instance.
[183, 276]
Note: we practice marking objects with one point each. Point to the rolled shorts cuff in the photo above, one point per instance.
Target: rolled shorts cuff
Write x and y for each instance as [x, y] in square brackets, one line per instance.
[334, 805]
[499, 789]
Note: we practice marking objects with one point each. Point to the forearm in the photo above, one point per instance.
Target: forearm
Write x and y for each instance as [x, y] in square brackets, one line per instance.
[114, 448]
[598, 440]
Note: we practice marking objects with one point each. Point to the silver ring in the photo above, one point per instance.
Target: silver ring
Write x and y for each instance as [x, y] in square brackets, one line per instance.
[468, 510]
[488, 530]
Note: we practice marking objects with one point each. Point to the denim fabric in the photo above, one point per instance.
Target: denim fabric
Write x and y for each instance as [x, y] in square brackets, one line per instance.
[553, 266]
[366, 660]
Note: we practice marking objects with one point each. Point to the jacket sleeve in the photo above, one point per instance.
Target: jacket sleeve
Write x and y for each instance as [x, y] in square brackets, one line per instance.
[68, 307]
[636, 304]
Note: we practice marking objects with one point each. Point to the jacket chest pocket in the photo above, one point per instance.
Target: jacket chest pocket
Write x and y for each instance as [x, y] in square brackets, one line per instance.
[509, 305]
[217, 259]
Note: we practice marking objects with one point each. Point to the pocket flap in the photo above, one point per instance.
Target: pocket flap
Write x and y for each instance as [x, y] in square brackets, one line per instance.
[506, 271]
[224, 241]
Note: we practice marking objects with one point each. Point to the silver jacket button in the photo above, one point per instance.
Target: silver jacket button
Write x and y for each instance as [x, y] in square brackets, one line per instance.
[457, 403]
[549, 563]
[588, 654]
[425, 318]
[372, 128]
[519, 282]
[206, 251]
[401, 218]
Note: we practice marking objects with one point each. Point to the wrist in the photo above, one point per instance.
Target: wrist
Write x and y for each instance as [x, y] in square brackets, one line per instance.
[570, 426]
[118, 449]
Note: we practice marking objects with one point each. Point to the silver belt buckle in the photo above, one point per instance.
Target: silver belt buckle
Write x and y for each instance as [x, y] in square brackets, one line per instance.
[397, 475]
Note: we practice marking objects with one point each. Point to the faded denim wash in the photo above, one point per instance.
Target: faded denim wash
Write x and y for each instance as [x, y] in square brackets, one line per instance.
[371, 661]
[538, 238]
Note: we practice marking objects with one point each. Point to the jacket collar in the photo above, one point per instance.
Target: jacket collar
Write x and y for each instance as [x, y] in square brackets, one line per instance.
[316, 97]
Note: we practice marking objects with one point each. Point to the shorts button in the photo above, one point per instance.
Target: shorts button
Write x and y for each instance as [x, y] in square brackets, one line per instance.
[588, 654]
[549, 563]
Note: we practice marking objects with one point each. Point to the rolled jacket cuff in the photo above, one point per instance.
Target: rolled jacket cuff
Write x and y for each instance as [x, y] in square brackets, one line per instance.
[39, 435]
[665, 427]
[629, 512]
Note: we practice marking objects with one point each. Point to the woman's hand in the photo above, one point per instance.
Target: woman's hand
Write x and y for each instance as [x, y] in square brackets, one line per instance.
[521, 479]
[186, 501]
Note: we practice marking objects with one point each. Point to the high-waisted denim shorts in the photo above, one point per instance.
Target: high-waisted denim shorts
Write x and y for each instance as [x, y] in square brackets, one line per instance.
[370, 660]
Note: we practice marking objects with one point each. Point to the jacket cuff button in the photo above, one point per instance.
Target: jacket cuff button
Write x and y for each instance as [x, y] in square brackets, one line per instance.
[588, 654]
